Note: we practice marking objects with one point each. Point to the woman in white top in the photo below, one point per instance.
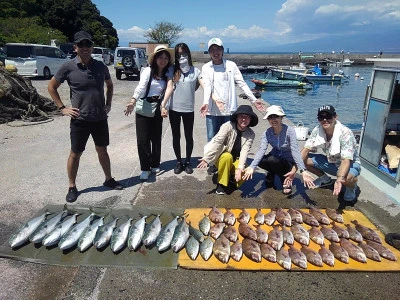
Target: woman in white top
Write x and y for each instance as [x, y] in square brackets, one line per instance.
[186, 80]
[149, 129]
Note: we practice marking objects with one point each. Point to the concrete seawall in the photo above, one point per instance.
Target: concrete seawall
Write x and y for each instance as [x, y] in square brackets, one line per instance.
[284, 59]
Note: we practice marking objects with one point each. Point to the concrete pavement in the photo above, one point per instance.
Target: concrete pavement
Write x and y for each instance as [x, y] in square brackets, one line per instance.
[33, 174]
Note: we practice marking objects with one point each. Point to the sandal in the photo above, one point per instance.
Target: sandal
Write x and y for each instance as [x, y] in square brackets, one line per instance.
[269, 180]
[287, 190]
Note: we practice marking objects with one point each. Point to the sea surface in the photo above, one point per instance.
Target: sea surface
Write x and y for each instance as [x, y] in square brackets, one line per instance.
[301, 105]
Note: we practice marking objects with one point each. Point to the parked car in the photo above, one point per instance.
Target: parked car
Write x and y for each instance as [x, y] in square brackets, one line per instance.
[129, 61]
[34, 60]
[101, 54]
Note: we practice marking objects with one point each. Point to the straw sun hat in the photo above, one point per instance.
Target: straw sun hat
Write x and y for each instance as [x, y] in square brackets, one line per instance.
[160, 48]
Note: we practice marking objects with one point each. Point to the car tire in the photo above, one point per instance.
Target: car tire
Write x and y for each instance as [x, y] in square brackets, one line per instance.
[128, 61]
[46, 73]
[118, 74]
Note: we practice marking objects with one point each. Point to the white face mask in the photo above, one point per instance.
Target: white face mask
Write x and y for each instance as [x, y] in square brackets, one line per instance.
[184, 64]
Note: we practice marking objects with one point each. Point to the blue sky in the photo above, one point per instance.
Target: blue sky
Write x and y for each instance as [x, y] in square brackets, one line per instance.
[250, 25]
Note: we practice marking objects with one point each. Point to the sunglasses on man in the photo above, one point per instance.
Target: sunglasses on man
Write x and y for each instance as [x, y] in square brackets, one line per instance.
[86, 44]
[324, 117]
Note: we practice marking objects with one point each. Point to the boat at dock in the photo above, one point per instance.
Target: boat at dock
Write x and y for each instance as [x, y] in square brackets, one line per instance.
[347, 62]
[379, 147]
[280, 83]
[312, 75]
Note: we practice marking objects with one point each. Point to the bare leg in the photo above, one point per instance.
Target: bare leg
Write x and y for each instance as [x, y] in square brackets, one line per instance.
[104, 160]
[72, 167]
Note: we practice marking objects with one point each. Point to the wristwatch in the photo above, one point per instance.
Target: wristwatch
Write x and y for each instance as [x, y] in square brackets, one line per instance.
[302, 170]
[61, 107]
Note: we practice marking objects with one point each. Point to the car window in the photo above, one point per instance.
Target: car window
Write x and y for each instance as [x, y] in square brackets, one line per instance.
[39, 51]
[19, 51]
[122, 53]
[97, 51]
[50, 52]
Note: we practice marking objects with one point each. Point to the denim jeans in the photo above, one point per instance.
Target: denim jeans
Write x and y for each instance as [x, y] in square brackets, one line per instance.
[214, 123]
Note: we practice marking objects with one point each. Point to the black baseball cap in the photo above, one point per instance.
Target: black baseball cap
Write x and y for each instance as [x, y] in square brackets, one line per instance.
[328, 109]
[82, 35]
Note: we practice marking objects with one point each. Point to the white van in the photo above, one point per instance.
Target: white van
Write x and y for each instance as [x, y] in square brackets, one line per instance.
[102, 54]
[34, 60]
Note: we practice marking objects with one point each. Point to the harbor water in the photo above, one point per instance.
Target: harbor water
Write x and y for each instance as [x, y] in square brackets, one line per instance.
[301, 105]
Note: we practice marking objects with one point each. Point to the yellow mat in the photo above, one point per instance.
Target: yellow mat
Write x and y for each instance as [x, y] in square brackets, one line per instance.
[196, 214]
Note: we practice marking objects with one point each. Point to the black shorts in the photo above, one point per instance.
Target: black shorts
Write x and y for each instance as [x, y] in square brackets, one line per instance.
[80, 131]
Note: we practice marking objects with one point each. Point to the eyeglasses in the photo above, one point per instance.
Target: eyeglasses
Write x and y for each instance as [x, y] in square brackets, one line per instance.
[270, 117]
[87, 44]
[324, 117]
[183, 54]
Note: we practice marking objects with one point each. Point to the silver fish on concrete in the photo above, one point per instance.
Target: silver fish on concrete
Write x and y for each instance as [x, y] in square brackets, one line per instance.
[244, 216]
[259, 217]
[54, 237]
[354, 234]
[327, 256]
[151, 231]
[262, 235]
[275, 238]
[135, 234]
[312, 256]
[252, 250]
[231, 233]
[120, 236]
[300, 234]
[268, 252]
[206, 248]
[382, 250]
[196, 233]
[73, 235]
[46, 227]
[205, 225]
[21, 236]
[339, 252]
[222, 249]
[342, 233]
[247, 231]
[164, 239]
[283, 259]
[283, 217]
[104, 234]
[269, 218]
[297, 257]
[295, 215]
[181, 235]
[370, 252]
[87, 238]
[330, 234]
[215, 215]
[216, 230]
[366, 232]
[236, 251]
[192, 247]
[334, 215]
[229, 217]
[354, 251]
[288, 237]
[316, 235]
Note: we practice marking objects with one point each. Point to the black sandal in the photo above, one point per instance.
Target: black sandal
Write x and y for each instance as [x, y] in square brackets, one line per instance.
[287, 190]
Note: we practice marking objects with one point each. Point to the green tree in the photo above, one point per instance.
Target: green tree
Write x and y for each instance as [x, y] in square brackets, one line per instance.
[164, 33]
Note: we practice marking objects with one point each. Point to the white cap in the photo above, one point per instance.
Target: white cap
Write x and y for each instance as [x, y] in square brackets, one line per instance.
[215, 41]
[274, 110]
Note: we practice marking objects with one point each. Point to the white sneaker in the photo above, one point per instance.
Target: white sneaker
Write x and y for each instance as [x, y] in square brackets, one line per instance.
[322, 181]
[145, 175]
[155, 170]
[350, 193]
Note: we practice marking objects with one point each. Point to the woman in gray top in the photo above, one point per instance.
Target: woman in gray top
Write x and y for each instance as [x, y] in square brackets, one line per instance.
[186, 80]
[284, 159]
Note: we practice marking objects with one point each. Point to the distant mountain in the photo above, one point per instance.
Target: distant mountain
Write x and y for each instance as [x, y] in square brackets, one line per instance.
[388, 41]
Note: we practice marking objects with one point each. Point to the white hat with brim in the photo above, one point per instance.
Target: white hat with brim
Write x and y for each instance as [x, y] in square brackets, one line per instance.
[160, 48]
[215, 41]
[274, 110]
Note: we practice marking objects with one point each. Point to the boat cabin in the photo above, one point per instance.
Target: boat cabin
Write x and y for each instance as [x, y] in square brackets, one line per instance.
[380, 138]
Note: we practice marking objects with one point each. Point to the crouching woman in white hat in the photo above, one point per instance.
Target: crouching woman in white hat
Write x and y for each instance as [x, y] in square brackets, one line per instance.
[284, 159]
[229, 148]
